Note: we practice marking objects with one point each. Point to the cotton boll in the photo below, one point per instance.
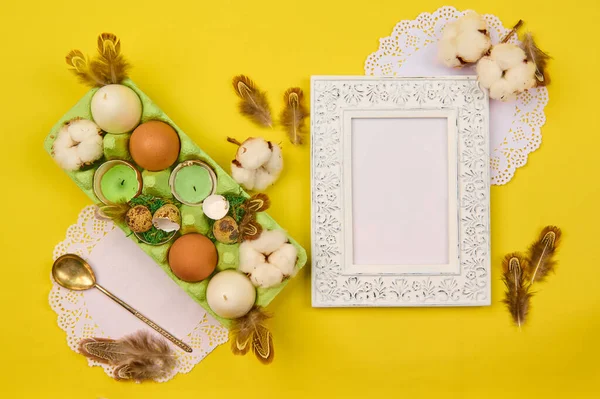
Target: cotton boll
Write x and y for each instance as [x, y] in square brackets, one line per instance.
[253, 153]
[507, 55]
[502, 90]
[249, 257]
[471, 45]
[82, 129]
[275, 164]
[67, 158]
[269, 241]
[63, 139]
[90, 149]
[488, 72]
[471, 21]
[242, 176]
[264, 179]
[266, 275]
[522, 76]
[450, 31]
[284, 259]
[447, 53]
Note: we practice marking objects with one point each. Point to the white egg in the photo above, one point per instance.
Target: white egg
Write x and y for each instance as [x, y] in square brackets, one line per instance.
[116, 109]
[215, 206]
[230, 294]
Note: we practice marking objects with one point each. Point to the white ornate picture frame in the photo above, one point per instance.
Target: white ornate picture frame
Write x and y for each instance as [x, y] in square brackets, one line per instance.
[400, 192]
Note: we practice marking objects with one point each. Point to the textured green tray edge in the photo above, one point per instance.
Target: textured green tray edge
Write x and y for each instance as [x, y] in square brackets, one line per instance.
[226, 184]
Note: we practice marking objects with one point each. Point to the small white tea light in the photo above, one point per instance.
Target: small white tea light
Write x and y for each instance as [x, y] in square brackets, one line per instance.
[215, 206]
[116, 109]
[230, 294]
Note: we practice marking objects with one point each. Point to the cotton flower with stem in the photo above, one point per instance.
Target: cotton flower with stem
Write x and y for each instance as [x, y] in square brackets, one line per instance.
[464, 41]
[257, 164]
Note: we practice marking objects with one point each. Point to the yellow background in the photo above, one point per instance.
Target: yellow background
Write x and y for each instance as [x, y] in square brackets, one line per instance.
[184, 56]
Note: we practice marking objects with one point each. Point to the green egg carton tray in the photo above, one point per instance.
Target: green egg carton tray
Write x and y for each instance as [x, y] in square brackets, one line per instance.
[189, 150]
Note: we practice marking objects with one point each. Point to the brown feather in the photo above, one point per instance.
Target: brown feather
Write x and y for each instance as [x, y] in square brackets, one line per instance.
[541, 254]
[112, 65]
[249, 228]
[250, 332]
[538, 57]
[517, 295]
[85, 70]
[253, 102]
[293, 114]
[139, 356]
[116, 212]
[257, 203]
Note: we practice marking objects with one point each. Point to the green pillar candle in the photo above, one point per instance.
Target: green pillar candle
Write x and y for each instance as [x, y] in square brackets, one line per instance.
[193, 184]
[119, 184]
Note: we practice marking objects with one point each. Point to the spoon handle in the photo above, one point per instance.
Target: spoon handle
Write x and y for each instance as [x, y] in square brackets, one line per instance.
[146, 320]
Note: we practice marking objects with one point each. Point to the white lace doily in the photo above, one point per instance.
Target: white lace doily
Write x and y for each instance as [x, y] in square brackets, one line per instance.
[125, 270]
[411, 50]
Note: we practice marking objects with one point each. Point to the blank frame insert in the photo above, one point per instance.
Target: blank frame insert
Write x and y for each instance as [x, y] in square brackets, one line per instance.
[401, 178]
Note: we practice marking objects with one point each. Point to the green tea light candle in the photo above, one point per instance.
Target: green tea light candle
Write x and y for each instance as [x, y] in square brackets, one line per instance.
[117, 181]
[192, 181]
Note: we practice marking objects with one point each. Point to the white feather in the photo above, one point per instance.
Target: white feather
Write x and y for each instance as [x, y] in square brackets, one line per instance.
[284, 259]
[269, 241]
[507, 55]
[249, 257]
[488, 72]
[253, 153]
[266, 275]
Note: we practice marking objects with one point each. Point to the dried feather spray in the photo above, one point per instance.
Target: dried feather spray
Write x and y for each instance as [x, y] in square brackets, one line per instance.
[108, 68]
[115, 212]
[249, 228]
[253, 102]
[249, 332]
[293, 114]
[84, 69]
[541, 254]
[538, 57]
[139, 356]
[517, 295]
[113, 65]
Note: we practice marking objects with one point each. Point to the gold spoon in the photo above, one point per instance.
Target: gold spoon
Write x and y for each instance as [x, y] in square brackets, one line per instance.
[74, 273]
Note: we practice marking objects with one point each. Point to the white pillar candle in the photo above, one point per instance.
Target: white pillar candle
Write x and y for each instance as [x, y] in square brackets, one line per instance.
[230, 294]
[215, 206]
[116, 109]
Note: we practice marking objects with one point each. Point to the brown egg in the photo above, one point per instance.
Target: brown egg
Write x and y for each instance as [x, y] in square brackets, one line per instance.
[154, 145]
[193, 257]
[139, 219]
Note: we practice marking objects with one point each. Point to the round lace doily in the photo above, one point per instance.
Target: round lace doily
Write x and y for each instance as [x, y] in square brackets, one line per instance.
[514, 127]
[76, 320]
